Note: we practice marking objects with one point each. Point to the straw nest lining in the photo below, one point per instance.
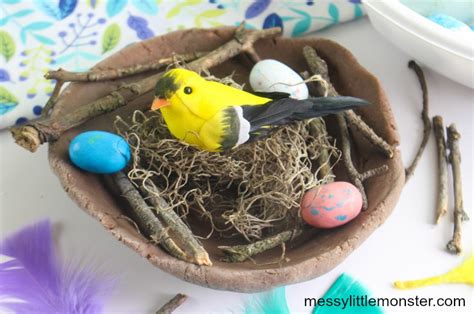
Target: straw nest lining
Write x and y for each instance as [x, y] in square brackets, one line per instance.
[253, 191]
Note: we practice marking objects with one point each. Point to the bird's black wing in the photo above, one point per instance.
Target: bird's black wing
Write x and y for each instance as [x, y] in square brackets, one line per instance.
[264, 118]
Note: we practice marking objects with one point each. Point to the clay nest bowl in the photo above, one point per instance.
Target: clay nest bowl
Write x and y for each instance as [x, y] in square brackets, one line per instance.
[309, 257]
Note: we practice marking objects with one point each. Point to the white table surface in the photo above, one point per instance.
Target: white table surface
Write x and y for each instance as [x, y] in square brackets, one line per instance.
[407, 246]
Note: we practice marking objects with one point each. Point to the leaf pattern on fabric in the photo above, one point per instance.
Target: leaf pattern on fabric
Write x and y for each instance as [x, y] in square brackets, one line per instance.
[140, 26]
[146, 6]
[7, 45]
[303, 25]
[358, 11]
[66, 7]
[7, 101]
[4, 76]
[31, 29]
[333, 12]
[273, 20]
[48, 7]
[110, 38]
[13, 16]
[256, 8]
[114, 7]
[93, 3]
[208, 16]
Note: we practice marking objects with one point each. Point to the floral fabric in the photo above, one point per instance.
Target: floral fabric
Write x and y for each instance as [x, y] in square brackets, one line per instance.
[38, 35]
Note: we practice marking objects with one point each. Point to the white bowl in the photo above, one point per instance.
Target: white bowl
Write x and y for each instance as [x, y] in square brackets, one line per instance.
[447, 52]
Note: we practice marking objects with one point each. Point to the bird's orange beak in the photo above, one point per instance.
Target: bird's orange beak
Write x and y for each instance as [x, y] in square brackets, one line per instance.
[159, 103]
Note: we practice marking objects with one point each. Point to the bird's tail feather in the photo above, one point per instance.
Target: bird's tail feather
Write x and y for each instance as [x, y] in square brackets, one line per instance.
[323, 106]
[283, 111]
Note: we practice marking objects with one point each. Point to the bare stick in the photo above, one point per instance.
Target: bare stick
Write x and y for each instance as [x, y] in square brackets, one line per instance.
[318, 128]
[373, 172]
[442, 204]
[455, 245]
[35, 133]
[111, 74]
[356, 121]
[354, 175]
[318, 66]
[455, 160]
[317, 125]
[424, 116]
[253, 55]
[145, 217]
[172, 304]
[175, 223]
[52, 100]
[240, 253]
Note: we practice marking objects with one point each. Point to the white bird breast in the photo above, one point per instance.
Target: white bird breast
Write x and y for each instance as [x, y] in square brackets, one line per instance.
[273, 76]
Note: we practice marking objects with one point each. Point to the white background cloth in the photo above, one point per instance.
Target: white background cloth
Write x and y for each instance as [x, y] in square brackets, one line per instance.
[407, 246]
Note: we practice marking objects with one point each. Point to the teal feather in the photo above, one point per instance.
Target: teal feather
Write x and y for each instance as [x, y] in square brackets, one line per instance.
[344, 287]
[270, 302]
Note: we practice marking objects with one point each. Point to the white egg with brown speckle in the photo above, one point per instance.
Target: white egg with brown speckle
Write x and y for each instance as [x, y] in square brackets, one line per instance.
[274, 76]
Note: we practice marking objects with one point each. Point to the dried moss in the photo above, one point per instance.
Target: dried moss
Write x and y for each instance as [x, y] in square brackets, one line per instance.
[253, 191]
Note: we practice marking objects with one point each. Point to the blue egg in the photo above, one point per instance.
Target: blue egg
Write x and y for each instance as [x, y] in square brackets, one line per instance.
[99, 152]
[449, 22]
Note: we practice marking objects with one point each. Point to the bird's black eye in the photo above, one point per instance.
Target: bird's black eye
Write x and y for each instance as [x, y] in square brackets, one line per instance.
[188, 90]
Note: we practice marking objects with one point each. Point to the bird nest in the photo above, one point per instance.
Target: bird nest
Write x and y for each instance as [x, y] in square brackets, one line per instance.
[114, 201]
[252, 191]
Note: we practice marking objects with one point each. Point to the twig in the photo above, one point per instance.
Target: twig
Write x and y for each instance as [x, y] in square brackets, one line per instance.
[318, 66]
[455, 245]
[253, 55]
[52, 100]
[145, 217]
[63, 76]
[318, 128]
[354, 175]
[442, 204]
[424, 116]
[373, 172]
[111, 74]
[317, 125]
[356, 121]
[172, 304]
[240, 253]
[35, 133]
[175, 223]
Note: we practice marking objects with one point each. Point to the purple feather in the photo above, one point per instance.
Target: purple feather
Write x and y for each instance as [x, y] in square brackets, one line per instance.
[34, 280]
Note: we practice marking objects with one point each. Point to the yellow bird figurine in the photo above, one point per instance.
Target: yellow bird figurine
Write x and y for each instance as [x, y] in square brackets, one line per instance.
[216, 117]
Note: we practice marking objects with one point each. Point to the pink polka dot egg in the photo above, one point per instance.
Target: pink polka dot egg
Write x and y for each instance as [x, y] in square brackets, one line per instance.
[331, 205]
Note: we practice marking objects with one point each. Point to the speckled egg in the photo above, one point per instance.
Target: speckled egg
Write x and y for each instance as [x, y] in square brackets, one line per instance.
[273, 76]
[331, 205]
[99, 152]
[449, 22]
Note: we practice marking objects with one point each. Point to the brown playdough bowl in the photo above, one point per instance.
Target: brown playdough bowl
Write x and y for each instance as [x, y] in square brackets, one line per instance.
[310, 256]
